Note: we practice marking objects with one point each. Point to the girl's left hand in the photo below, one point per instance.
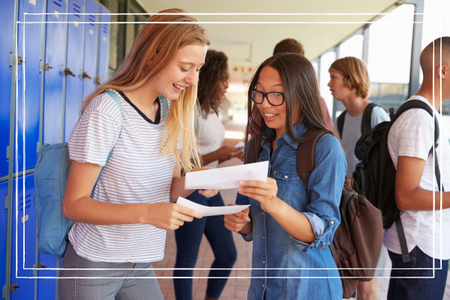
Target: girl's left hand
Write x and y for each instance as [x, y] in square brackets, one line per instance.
[208, 193]
[263, 192]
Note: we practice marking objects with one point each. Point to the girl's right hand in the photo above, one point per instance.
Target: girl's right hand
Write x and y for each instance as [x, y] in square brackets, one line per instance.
[170, 216]
[227, 152]
[237, 221]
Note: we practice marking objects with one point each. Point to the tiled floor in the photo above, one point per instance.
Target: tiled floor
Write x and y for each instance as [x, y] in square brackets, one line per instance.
[236, 287]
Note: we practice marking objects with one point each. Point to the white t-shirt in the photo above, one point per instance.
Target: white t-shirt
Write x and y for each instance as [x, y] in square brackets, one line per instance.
[210, 136]
[412, 134]
[135, 173]
[352, 132]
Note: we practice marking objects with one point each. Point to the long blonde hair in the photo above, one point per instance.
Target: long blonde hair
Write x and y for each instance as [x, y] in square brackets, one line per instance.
[154, 47]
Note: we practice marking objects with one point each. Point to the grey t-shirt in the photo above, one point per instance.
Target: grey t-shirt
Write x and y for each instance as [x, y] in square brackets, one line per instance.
[352, 132]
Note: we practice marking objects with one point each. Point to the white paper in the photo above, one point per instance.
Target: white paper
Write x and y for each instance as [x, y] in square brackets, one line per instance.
[211, 210]
[240, 144]
[226, 178]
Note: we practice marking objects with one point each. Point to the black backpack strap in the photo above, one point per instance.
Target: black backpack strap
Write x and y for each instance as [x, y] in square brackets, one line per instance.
[340, 123]
[404, 107]
[366, 123]
[402, 239]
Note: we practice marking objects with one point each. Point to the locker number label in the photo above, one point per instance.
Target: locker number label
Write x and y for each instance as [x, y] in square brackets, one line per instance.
[56, 13]
[33, 2]
[91, 32]
[75, 23]
[25, 218]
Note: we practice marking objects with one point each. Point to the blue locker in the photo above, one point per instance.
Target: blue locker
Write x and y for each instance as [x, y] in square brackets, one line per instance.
[3, 219]
[46, 287]
[6, 48]
[55, 54]
[90, 47]
[23, 238]
[74, 66]
[103, 45]
[30, 37]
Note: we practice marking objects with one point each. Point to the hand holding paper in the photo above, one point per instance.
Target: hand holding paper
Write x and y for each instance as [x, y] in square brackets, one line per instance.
[211, 210]
[226, 178]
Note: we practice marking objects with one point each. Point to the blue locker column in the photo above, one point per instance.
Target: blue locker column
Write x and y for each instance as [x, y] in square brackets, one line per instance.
[103, 45]
[23, 238]
[74, 66]
[90, 47]
[29, 51]
[6, 62]
[55, 55]
[3, 226]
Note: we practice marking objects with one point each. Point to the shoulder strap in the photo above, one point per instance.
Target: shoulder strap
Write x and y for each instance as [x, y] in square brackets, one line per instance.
[366, 123]
[116, 100]
[305, 154]
[340, 122]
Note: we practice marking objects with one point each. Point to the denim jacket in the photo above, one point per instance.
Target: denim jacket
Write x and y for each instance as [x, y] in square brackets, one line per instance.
[282, 266]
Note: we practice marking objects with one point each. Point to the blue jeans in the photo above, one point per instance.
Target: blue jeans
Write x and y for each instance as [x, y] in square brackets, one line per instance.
[117, 280]
[423, 288]
[188, 238]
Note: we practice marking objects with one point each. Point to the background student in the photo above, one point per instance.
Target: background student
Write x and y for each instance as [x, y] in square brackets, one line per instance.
[416, 189]
[350, 84]
[121, 224]
[291, 225]
[212, 86]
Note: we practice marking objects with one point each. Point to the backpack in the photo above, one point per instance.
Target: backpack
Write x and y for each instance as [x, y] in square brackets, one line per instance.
[50, 178]
[366, 123]
[357, 242]
[374, 176]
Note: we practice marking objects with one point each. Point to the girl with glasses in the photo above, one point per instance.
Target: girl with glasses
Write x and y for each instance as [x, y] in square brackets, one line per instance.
[291, 225]
[122, 219]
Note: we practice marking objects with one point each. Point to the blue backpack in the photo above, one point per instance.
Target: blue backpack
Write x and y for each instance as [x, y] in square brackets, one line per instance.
[50, 179]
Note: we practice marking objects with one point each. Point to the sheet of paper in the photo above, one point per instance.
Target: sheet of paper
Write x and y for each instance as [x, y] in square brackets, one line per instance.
[228, 177]
[240, 144]
[211, 210]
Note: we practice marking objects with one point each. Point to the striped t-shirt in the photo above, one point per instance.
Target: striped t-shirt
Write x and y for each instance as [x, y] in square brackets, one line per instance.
[135, 173]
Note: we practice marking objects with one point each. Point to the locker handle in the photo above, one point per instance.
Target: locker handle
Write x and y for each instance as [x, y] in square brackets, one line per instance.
[20, 60]
[85, 75]
[41, 265]
[67, 71]
[47, 67]
[13, 287]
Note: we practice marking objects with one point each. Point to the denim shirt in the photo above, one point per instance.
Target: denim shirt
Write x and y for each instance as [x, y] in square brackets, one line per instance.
[282, 266]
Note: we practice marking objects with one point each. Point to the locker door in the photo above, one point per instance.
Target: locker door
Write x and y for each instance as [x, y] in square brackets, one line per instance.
[90, 47]
[74, 64]
[30, 37]
[55, 53]
[3, 219]
[103, 46]
[6, 48]
[23, 238]
[46, 287]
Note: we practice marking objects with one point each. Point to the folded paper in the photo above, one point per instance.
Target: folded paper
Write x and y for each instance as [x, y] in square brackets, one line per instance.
[211, 210]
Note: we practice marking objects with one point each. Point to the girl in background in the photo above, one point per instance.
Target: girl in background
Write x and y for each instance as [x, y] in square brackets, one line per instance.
[212, 86]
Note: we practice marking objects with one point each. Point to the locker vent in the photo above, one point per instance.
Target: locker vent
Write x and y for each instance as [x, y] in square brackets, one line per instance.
[58, 2]
[27, 203]
[105, 28]
[91, 19]
[76, 8]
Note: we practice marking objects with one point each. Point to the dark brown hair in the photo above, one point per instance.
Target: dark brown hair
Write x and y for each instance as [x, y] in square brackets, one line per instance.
[212, 73]
[289, 45]
[302, 98]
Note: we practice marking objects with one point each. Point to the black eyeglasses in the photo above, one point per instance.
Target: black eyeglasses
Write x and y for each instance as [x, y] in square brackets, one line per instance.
[274, 98]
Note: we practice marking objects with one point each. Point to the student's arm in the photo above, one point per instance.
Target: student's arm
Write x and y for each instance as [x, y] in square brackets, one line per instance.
[78, 206]
[408, 194]
[222, 154]
[177, 189]
[288, 218]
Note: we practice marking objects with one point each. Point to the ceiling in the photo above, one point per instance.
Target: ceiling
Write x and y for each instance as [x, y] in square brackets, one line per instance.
[319, 25]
